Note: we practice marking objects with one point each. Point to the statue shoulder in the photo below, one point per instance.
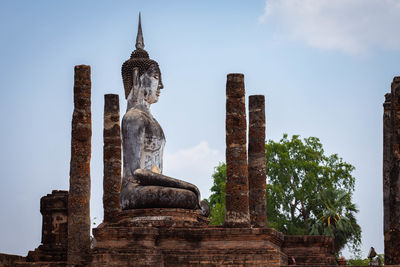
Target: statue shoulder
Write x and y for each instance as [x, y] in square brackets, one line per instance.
[136, 116]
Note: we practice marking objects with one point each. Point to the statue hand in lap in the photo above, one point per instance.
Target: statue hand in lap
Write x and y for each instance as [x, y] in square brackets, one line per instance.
[143, 143]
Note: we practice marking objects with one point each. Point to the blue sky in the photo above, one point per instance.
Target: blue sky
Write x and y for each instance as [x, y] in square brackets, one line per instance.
[323, 65]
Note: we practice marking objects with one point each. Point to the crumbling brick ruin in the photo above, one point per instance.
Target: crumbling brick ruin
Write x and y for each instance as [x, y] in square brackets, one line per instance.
[111, 158]
[174, 237]
[391, 174]
[54, 209]
[167, 236]
[257, 167]
[79, 185]
[237, 185]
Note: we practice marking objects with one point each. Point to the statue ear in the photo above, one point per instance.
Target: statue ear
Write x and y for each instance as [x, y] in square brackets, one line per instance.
[135, 79]
[134, 92]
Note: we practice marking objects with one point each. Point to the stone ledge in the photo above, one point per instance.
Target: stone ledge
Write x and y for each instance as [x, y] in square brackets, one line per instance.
[160, 217]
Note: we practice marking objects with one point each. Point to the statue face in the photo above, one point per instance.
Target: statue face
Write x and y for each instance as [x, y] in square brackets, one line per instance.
[151, 84]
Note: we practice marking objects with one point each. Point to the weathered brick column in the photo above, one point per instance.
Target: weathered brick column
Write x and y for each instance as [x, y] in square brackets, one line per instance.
[79, 183]
[391, 174]
[54, 209]
[111, 157]
[387, 138]
[237, 197]
[257, 168]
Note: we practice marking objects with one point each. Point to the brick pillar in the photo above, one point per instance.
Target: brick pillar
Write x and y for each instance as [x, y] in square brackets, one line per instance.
[111, 157]
[257, 168]
[237, 196]
[54, 209]
[79, 183]
[391, 175]
[387, 137]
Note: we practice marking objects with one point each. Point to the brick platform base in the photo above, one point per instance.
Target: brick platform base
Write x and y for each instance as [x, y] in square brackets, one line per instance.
[177, 237]
[179, 246]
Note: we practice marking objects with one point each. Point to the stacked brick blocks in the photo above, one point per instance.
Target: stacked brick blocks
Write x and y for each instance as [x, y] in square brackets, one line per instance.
[79, 186]
[111, 158]
[237, 188]
[54, 209]
[257, 168]
[391, 174]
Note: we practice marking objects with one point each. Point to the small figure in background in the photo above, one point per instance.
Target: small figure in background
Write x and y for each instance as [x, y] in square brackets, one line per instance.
[374, 259]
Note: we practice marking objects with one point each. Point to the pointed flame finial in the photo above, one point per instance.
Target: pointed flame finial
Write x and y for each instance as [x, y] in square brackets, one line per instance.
[139, 37]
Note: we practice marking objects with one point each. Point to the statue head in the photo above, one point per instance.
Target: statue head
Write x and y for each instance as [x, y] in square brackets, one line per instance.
[139, 59]
[150, 83]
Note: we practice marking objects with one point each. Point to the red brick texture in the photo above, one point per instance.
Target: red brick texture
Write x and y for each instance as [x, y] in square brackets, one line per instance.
[187, 246]
[111, 158]
[391, 174]
[79, 190]
[310, 250]
[54, 209]
[257, 168]
[237, 196]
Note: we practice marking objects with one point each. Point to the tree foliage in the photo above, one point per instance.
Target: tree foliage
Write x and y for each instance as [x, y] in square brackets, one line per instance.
[307, 192]
[366, 262]
[217, 198]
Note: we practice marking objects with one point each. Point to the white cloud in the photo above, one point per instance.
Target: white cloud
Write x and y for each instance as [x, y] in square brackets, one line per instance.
[194, 165]
[352, 26]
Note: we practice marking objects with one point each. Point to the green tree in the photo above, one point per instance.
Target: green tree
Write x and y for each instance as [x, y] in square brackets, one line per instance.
[217, 198]
[336, 218]
[307, 191]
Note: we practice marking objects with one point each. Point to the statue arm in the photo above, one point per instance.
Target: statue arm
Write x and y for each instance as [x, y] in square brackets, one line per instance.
[132, 140]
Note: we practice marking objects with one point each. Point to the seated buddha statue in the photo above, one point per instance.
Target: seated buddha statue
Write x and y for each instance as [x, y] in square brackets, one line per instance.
[143, 141]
